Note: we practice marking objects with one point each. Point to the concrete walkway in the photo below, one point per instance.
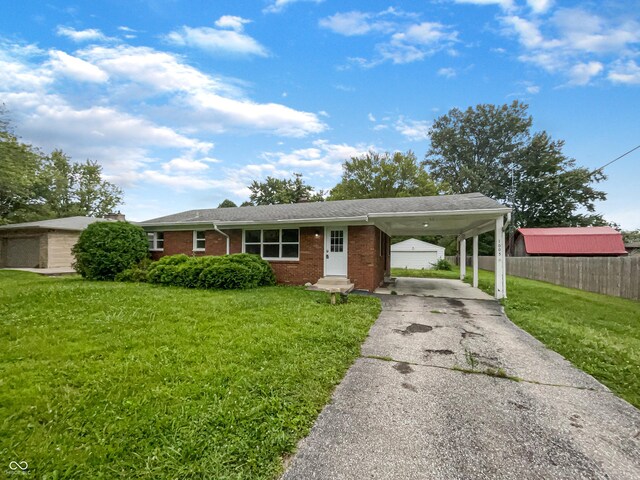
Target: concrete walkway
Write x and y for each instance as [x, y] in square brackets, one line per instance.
[433, 287]
[46, 271]
[405, 410]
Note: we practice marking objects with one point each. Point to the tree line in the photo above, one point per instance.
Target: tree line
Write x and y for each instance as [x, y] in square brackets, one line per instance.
[35, 185]
[489, 149]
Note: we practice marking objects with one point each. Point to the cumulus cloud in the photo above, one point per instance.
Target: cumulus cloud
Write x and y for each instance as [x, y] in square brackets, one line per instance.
[278, 6]
[407, 40]
[88, 35]
[573, 42]
[76, 68]
[540, 6]
[447, 72]
[415, 130]
[229, 38]
[504, 4]
[625, 72]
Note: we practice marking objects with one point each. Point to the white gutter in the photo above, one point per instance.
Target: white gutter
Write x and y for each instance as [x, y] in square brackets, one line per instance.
[215, 227]
[439, 212]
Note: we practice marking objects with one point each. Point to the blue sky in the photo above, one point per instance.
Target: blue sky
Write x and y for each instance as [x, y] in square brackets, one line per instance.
[184, 103]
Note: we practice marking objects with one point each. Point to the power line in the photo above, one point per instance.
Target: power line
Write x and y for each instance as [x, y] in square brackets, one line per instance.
[615, 159]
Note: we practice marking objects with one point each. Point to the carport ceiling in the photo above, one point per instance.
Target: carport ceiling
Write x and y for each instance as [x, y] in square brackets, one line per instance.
[449, 223]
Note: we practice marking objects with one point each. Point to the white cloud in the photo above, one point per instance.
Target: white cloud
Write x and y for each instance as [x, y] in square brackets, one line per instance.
[355, 23]
[278, 6]
[540, 6]
[625, 72]
[447, 72]
[574, 42]
[582, 73]
[76, 68]
[213, 40]
[205, 102]
[407, 41]
[371, 117]
[88, 35]
[415, 130]
[233, 22]
[183, 164]
[532, 89]
[505, 4]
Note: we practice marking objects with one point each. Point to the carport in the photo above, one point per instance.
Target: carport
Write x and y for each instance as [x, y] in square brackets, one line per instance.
[477, 214]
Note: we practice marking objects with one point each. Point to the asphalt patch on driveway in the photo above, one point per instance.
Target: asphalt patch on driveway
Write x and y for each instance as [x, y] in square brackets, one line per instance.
[415, 328]
[403, 368]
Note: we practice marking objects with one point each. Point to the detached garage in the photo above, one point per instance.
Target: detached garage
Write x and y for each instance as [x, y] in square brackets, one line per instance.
[42, 244]
[414, 253]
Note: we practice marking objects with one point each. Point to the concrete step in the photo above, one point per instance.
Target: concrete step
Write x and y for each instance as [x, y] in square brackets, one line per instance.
[334, 281]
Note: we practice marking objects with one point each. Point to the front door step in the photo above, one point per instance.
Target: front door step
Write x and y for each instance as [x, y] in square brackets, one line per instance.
[333, 285]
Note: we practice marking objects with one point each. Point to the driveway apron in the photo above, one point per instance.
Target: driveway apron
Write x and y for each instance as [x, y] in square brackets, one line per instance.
[410, 408]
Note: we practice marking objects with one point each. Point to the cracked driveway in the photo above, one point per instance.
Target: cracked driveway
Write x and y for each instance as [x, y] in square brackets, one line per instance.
[406, 410]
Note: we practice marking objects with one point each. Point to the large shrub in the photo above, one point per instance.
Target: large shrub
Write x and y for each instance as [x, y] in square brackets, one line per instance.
[236, 271]
[108, 248]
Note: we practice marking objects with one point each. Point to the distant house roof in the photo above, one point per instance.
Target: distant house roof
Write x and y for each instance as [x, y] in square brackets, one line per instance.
[415, 245]
[68, 223]
[339, 210]
[572, 241]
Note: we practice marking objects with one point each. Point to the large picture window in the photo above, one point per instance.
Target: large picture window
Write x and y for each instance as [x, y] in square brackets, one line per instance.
[156, 241]
[274, 244]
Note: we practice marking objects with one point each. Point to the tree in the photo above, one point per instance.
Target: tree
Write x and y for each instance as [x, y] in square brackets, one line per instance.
[35, 186]
[490, 149]
[381, 175]
[226, 203]
[70, 189]
[548, 190]
[280, 190]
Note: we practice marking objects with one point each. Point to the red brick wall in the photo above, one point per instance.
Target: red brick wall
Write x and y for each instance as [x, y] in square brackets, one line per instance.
[366, 268]
[309, 268]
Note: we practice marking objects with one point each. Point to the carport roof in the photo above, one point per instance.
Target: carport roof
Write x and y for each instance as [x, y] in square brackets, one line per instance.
[396, 216]
[68, 223]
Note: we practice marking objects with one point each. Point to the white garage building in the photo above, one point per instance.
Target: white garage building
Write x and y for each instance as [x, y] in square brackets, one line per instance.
[414, 253]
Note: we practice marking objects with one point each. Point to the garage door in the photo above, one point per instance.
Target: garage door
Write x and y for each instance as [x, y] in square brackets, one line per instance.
[23, 252]
[413, 259]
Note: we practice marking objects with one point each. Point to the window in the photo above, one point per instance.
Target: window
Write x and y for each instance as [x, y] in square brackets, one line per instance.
[156, 241]
[274, 243]
[336, 241]
[198, 240]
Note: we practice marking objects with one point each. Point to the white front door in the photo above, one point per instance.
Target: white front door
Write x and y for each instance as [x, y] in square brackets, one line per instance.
[335, 246]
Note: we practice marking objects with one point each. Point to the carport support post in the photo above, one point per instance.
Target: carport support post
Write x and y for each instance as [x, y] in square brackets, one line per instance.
[475, 261]
[463, 258]
[499, 256]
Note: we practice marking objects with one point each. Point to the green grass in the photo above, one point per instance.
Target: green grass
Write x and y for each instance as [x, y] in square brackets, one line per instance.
[420, 273]
[111, 380]
[597, 333]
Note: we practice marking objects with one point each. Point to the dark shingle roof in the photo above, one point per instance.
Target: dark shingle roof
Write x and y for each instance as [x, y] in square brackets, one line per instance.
[68, 223]
[331, 210]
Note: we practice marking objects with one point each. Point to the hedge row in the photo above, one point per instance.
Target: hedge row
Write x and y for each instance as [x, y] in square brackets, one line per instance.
[236, 271]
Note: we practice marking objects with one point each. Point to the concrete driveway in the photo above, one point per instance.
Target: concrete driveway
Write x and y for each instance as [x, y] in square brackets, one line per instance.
[408, 409]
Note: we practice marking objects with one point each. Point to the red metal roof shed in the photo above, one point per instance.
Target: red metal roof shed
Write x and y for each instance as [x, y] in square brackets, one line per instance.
[573, 241]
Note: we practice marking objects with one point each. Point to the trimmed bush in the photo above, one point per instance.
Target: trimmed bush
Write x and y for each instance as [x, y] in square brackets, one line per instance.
[236, 271]
[106, 249]
[442, 264]
[133, 274]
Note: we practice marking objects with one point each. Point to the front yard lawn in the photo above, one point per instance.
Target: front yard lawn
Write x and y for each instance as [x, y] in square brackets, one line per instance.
[114, 380]
[597, 333]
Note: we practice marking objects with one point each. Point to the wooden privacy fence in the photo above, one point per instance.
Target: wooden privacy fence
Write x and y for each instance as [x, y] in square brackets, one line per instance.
[616, 276]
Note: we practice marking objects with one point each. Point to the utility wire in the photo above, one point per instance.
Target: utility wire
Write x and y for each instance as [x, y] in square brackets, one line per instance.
[616, 159]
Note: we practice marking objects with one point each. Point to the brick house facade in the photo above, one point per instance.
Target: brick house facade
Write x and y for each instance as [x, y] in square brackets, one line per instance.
[367, 264]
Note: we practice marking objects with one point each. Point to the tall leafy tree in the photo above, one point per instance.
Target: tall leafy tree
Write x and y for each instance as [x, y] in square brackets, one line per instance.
[283, 190]
[226, 203]
[35, 186]
[490, 149]
[381, 175]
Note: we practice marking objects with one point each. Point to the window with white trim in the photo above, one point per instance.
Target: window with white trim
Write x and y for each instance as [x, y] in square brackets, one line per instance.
[198, 240]
[273, 243]
[156, 241]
